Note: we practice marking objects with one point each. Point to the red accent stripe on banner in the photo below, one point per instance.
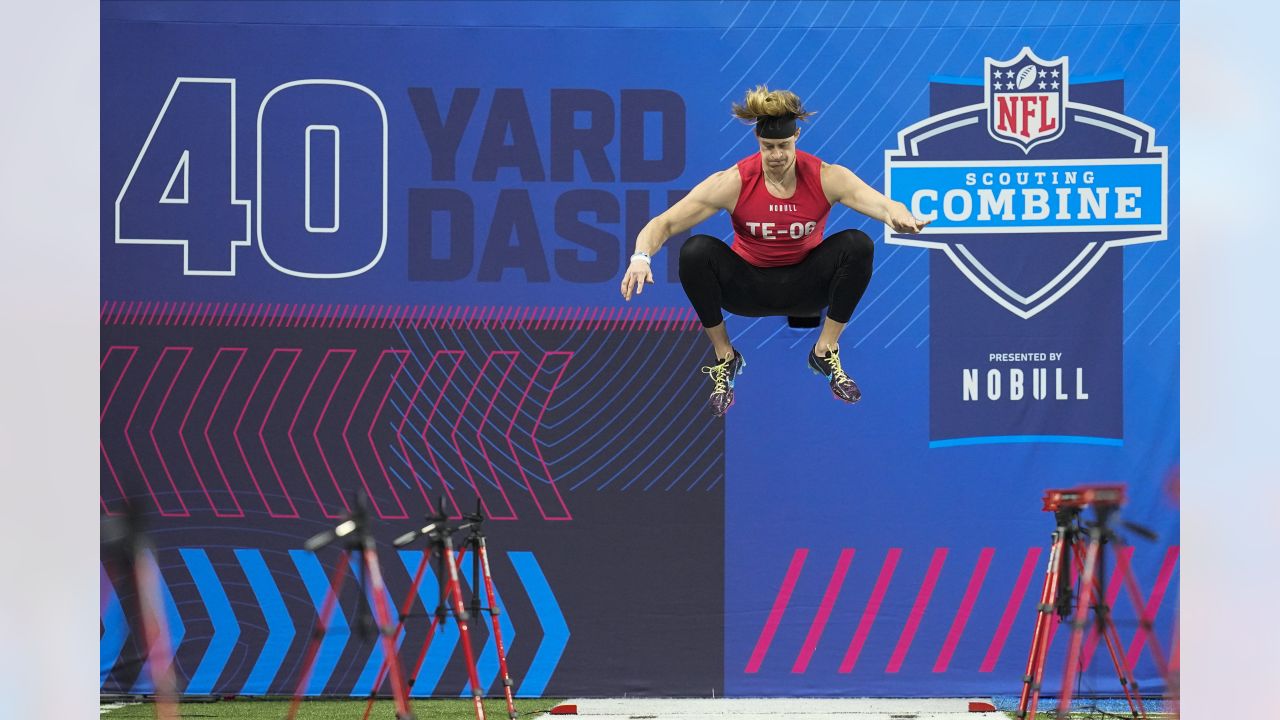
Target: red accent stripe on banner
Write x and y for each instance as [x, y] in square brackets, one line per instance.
[779, 607]
[871, 611]
[824, 611]
[1010, 610]
[917, 611]
[976, 580]
[1152, 607]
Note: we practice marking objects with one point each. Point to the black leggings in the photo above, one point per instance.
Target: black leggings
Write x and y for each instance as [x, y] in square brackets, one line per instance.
[832, 276]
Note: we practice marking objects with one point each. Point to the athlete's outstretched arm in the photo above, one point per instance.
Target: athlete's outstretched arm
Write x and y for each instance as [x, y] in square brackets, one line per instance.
[717, 192]
[842, 186]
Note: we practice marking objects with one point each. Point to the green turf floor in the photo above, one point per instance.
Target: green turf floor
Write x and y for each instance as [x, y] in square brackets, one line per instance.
[338, 710]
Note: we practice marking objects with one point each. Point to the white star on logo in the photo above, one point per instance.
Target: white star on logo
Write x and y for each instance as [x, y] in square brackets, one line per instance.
[1055, 73]
[1042, 73]
[1042, 82]
[1054, 85]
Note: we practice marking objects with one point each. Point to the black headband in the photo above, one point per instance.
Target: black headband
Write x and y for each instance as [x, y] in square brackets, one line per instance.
[776, 127]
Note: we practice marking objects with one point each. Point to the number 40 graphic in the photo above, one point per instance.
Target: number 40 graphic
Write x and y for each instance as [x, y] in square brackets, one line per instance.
[320, 208]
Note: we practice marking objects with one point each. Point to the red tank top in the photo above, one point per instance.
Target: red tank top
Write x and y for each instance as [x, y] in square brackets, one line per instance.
[770, 231]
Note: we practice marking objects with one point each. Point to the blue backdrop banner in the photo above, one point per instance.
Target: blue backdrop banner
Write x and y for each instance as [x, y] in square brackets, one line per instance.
[377, 247]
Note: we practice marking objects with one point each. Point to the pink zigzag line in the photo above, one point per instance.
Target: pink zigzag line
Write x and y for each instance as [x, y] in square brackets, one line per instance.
[184, 313]
[1152, 607]
[403, 355]
[262, 440]
[533, 441]
[819, 625]
[102, 312]
[292, 443]
[109, 308]
[917, 611]
[485, 419]
[132, 451]
[315, 432]
[780, 603]
[458, 448]
[515, 356]
[151, 430]
[235, 435]
[133, 351]
[976, 581]
[182, 434]
[404, 420]
[870, 612]
[1010, 610]
[426, 428]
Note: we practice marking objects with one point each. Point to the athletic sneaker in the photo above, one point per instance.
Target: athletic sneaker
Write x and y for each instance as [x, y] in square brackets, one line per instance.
[842, 386]
[722, 375]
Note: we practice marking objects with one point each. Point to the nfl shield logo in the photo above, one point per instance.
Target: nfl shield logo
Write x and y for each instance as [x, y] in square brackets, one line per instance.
[1025, 99]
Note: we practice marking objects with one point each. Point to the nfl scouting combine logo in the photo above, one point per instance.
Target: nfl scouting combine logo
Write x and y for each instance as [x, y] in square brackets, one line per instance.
[1029, 181]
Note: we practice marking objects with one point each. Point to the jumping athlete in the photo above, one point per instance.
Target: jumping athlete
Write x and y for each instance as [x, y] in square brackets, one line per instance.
[779, 263]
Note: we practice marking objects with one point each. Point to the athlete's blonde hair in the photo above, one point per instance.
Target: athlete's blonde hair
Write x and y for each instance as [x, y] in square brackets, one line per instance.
[763, 102]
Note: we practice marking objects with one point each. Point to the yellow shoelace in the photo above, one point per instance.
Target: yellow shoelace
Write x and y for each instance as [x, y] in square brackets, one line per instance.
[837, 372]
[719, 375]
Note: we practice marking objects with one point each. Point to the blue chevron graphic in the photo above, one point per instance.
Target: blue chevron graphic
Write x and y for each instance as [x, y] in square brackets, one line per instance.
[115, 630]
[364, 683]
[226, 629]
[338, 632]
[555, 631]
[446, 637]
[143, 685]
[487, 667]
[280, 629]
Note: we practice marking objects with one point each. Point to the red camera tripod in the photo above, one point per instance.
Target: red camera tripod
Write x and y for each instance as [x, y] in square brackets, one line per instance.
[1082, 549]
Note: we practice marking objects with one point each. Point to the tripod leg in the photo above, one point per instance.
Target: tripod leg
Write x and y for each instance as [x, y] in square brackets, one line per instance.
[1087, 580]
[483, 554]
[1127, 683]
[155, 630]
[405, 609]
[1146, 624]
[1044, 614]
[1059, 567]
[460, 615]
[382, 615]
[336, 580]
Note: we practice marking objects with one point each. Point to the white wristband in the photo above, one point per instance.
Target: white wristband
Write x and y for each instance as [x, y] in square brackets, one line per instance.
[641, 256]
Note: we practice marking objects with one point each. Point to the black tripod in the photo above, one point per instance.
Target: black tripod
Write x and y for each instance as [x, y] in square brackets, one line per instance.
[355, 537]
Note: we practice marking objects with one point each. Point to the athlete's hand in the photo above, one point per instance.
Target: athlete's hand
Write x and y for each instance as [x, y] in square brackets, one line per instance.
[637, 275]
[901, 220]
